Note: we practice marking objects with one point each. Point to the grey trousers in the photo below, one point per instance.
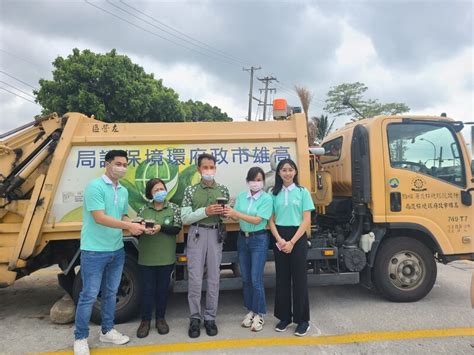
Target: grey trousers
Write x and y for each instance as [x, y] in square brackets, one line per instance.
[203, 250]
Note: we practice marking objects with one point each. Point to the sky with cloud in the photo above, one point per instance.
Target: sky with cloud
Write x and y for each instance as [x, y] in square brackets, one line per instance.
[418, 52]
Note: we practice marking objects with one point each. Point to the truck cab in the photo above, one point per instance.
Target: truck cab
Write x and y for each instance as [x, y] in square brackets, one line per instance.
[401, 190]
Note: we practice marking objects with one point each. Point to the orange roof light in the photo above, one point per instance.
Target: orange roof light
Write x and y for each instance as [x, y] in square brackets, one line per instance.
[279, 104]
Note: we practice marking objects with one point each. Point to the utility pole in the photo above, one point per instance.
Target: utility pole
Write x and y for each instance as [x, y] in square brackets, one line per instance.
[266, 80]
[251, 70]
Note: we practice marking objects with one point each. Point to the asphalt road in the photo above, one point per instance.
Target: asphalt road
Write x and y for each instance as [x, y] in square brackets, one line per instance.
[344, 320]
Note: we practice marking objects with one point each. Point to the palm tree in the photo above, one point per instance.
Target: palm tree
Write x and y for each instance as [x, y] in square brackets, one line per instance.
[323, 126]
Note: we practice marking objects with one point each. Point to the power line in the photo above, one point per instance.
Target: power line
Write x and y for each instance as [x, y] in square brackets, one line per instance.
[292, 92]
[21, 81]
[286, 89]
[21, 97]
[201, 43]
[18, 57]
[160, 29]
[156, 34]
[24, 92]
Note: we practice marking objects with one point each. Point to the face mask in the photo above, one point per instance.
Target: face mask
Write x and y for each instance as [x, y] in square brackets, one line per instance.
[208, 177]
[118, 172]
[255, 186]
[160, 196]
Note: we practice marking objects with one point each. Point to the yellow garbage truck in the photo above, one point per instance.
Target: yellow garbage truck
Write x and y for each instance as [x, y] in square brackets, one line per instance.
[393, 195]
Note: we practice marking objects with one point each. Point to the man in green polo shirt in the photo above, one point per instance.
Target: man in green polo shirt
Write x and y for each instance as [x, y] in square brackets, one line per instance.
[102, 253]
[204, 245]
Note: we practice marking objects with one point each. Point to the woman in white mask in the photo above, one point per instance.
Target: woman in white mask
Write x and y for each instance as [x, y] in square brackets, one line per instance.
[253, 208]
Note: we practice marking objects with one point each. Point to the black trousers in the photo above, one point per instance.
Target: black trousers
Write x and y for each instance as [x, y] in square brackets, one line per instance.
[156, 280]
[291, 292]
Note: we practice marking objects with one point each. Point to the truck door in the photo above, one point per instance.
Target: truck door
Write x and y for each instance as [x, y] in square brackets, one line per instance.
[425, 174]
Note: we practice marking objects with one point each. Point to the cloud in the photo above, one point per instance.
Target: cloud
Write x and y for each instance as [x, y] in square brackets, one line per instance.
[417, 52]
[408, 34]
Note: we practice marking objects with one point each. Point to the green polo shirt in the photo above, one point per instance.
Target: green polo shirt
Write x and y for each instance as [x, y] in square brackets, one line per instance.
[159, 248]
[289, 205]
[197, 198]
[258, 205]
[101, 195]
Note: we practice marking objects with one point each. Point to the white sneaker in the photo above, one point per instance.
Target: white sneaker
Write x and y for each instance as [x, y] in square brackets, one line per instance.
[81, 347]
[247, 322]
[112, 336]
[257, 323]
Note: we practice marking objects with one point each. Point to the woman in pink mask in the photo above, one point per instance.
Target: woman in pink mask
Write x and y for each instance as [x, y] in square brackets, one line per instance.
[253, 208]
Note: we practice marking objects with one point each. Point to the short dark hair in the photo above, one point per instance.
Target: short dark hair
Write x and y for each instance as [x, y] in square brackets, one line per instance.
[253, 173]
[111, 154]
[203, 156]
[150, 185]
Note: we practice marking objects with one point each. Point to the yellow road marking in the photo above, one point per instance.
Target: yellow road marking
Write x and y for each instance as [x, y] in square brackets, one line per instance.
[285, 341]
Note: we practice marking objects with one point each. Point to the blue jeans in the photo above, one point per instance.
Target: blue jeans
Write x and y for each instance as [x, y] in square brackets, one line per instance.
[252, 257]
[100, 271]
[156, 280]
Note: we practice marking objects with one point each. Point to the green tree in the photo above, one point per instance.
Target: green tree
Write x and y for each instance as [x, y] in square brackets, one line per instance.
[108, 86]
[198, 111]
[323, 126]
[354, 93]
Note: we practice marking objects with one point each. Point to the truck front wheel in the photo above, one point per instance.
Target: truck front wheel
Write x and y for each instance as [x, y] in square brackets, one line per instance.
[128, 295]
[404, 270]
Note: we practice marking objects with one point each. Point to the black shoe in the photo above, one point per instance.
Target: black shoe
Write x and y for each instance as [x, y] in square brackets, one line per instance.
[194, 330]
[282, 325]
[211, 327]
[302, 329]
[162, 326]
[143, 329]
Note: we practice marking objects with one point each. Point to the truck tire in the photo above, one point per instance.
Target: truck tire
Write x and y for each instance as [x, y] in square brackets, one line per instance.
[128, 295]
[404, 269]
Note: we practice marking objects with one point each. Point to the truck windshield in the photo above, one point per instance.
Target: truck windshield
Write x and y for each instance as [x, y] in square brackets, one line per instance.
[430, 149]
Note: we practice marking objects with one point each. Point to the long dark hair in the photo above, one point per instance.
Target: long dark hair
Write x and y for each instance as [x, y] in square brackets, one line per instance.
[278, 180]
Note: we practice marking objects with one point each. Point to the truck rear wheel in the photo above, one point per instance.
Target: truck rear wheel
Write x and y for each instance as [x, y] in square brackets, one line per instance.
[404, 270]
[128, 295]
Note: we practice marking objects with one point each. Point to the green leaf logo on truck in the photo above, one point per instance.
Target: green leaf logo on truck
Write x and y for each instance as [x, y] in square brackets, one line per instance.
[175, 182]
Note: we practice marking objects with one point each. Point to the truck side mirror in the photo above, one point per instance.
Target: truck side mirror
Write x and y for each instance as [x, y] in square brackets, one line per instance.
[466, 198]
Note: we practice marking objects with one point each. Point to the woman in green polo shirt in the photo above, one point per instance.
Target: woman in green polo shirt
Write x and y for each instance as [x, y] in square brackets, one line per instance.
[157, 254]
[253, 208]
[292, 206]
